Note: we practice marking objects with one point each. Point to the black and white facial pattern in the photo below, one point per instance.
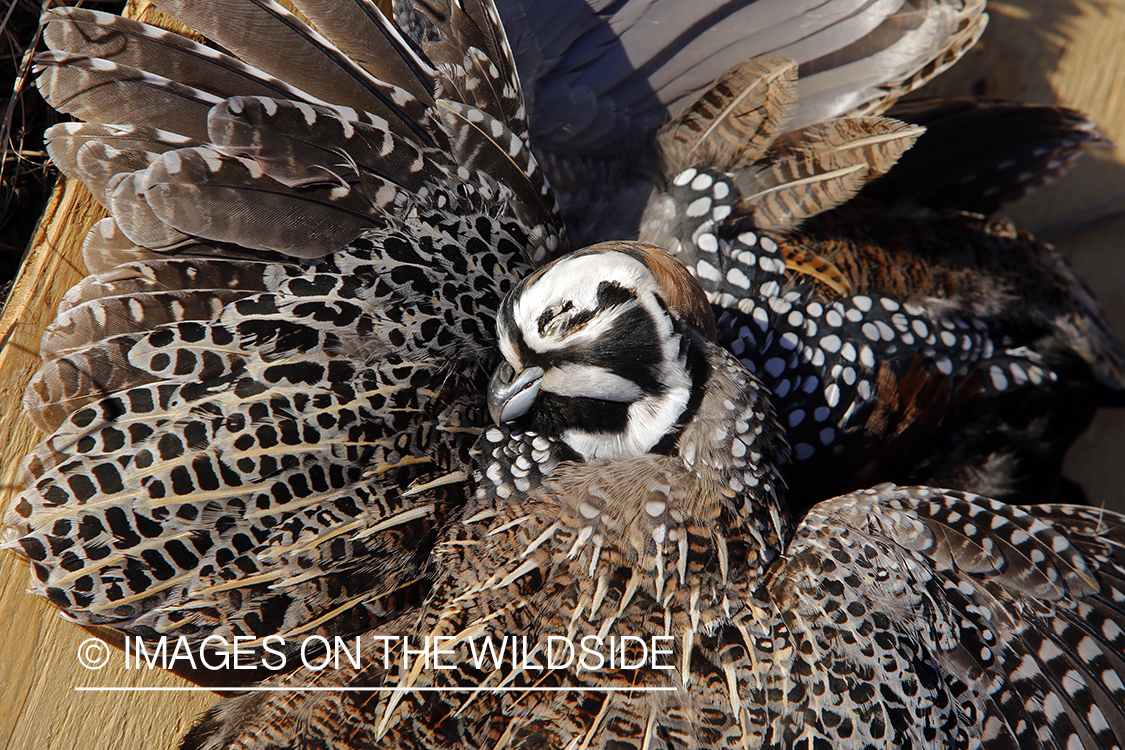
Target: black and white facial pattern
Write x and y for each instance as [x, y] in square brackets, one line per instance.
[616, 363]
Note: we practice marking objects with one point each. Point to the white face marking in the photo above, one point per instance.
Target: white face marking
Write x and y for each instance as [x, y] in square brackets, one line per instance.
[568, 289]
[571, 286]
[649, 420]
[590, 381]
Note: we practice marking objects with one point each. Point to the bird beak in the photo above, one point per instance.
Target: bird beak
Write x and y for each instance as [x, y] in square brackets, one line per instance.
[511, 393]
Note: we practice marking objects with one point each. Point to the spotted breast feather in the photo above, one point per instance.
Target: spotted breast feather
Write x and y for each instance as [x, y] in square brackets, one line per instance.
[882, 326]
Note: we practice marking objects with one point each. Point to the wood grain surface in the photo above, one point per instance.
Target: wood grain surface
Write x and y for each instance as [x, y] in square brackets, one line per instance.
[1069, 52]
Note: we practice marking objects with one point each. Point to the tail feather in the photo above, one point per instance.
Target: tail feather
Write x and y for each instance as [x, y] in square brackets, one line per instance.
[979, 154]
[909, 47]
[732, 123]
[101, 91]
[365, 35]
[203, 193]
[140, 46]
[777, 180]
[260, 408]
[638, 64]
[96, 153]
[136, 218]
[602, 78]
[255, 31]
[107, 247]
[820, 167]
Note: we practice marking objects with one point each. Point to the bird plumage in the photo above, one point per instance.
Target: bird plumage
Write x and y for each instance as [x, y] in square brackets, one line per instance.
[980, 154]
[890, 617]
[600, 78]
[247, 441]
[269, 404]
[842, 306]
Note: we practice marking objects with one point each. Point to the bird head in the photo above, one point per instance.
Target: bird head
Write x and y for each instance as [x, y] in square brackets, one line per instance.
[601, 350]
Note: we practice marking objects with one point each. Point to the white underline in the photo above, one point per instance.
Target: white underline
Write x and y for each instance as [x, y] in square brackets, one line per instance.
[260, 689]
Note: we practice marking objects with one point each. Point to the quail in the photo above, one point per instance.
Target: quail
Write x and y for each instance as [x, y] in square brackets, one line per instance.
[262, 402]
[269, 405]
[890, 617]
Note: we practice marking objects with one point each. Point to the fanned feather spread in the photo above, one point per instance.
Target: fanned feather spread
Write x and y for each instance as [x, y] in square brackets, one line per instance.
[601, 78]
[235, 430]
[268, 403]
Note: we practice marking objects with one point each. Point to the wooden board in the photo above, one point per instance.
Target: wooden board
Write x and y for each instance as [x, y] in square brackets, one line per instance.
[39, 668]
[1050, 51]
